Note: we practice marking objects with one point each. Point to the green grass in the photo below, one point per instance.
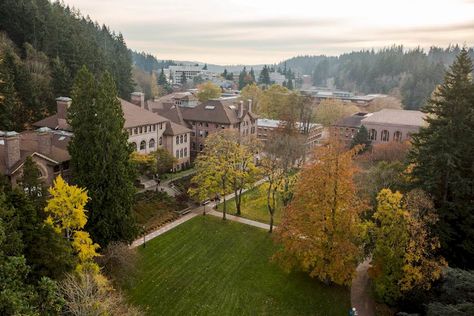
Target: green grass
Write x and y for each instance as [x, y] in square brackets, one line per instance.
[254, 206]
[210, 267]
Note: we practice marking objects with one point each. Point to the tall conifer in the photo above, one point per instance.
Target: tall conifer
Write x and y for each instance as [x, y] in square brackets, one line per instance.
[443, 156]
[100, 158]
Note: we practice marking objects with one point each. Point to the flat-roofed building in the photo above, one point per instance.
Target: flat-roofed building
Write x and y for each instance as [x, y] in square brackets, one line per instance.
[389, 125]
[313, 131]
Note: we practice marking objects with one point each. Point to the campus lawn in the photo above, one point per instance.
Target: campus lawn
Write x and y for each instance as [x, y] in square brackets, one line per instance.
[207, 266]
[254, 206]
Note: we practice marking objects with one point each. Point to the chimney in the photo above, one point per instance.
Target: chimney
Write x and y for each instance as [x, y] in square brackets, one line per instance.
[44, 140]
[241, 109]
[12, 148]
[250, 105]
[62, 104]
[138, 98]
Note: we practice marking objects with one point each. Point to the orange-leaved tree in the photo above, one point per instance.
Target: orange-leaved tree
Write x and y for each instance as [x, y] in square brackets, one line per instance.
[321, 230]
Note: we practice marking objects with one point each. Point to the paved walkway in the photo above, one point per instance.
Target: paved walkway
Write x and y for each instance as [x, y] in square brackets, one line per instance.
[163, 229]
[361, 297]
[241, 220]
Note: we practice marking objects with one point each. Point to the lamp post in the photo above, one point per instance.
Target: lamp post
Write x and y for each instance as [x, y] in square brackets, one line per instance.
[144, 237]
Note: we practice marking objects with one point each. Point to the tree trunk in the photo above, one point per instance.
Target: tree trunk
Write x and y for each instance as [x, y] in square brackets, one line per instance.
[271, 223]
[225, 203]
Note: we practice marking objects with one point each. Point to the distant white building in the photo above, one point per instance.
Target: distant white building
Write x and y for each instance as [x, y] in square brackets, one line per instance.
[190, 71]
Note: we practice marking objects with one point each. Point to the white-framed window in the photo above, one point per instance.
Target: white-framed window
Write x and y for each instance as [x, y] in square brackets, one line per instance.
[385, 136]
[143, 145]
[151, 143]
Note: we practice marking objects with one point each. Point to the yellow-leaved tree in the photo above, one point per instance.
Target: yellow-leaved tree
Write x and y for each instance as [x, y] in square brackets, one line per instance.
[404, 255]
[321, 232]
[67, 215]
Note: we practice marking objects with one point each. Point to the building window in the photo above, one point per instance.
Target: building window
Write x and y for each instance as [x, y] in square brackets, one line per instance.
[177, 153]
[397, 136]
[207, 124]
[181, 153]
[373, 134]
[160, 141]
[134, 146]
[193, 145]
[177, 140]
[217, 125]
[135, 131]
[154, 127]
[161, 125]
[385, 136]
[185, 152]
[143, 145]
[185, 138]
[181, 139]
[151, 143]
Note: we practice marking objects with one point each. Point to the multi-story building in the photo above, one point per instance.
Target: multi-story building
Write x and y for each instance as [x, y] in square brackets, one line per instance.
[204, 118]
[190, 71]
[346, 128]
[389, 125]
[147, 131]
[47, 148]
[313, 131]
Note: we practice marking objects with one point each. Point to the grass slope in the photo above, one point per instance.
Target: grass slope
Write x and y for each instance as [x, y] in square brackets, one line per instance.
[210, 267]
[254, 206]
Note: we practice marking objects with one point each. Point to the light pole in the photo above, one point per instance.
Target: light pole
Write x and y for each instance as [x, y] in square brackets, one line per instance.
[144, 237]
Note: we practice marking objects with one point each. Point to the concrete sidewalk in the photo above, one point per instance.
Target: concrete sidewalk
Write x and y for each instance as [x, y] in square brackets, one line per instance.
[240, 220]
[163, 229]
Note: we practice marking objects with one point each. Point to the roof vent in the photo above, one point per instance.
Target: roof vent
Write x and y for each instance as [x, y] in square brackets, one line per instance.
[209, 107]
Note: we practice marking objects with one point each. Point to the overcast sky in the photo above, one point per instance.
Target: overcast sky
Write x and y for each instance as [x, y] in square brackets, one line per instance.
[268, 31]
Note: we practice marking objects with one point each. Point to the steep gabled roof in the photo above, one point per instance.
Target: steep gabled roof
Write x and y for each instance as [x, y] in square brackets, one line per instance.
[136, 116]
[173, 129]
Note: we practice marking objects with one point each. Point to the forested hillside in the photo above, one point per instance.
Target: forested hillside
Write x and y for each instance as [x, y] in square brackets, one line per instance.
[42, 47]
[409, 74]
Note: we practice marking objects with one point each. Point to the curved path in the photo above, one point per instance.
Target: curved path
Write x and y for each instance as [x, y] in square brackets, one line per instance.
[361, 297]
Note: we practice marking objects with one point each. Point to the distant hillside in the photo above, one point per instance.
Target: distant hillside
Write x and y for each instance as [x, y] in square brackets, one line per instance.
[42, 47]
[149, 62]
[410, 75]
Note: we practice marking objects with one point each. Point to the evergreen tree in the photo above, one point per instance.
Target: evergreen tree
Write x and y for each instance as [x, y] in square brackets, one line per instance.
[361, 138]
[11, 116]
[264, 77]
[224, 74]
[252, 74]
[184, 80]
[242, 76]
[289, 85]
[61, 76]
[443, 157]
[100, 158]
[162, 79]
[30, 182]
[205, 67]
